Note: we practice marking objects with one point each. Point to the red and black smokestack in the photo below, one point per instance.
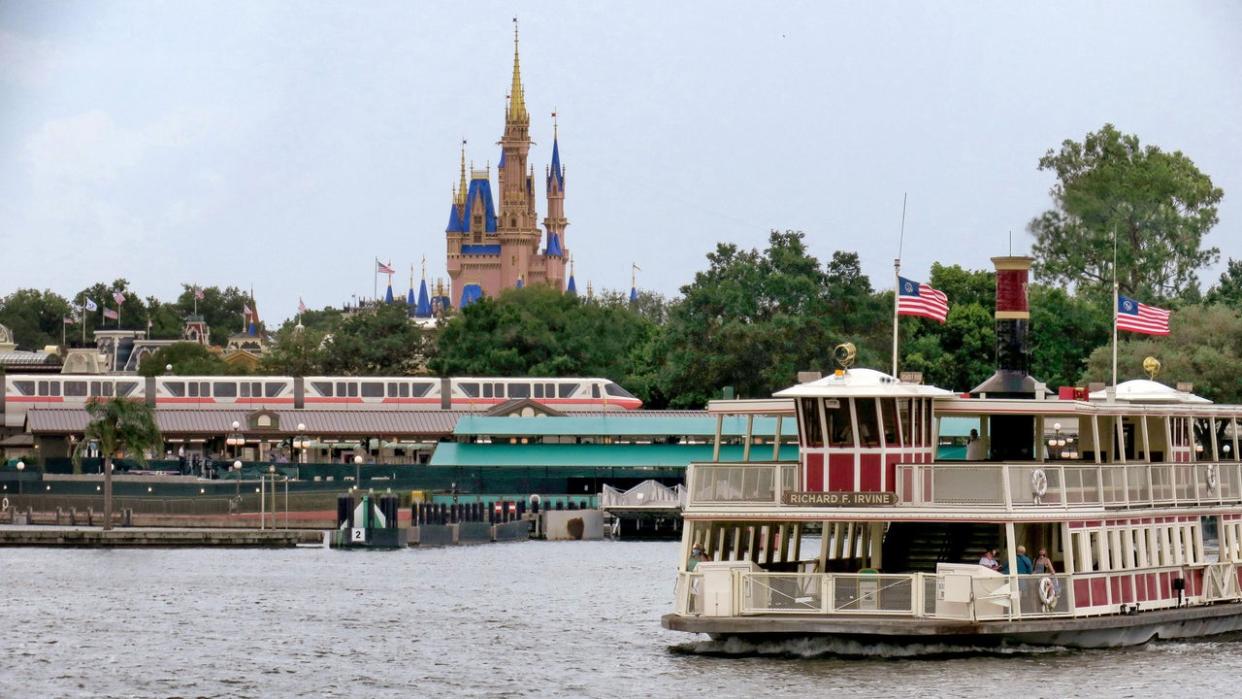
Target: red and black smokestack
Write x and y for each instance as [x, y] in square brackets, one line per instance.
[1013, 319]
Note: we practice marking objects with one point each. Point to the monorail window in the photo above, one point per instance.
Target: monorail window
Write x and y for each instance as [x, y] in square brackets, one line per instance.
[539, 390]
[245, 389]
[888, 411]
[595, 390]
[840, 427]
[487, 390]
[614, 389]
[271, 389]
[49, 388]
[811, 425]
[372, 389]
[566, 390]
[323, 388]
[868, 422]
[108, 389]
[353, 389]
[225, 390]
[420, 389]
[175, 389]
[393, 391]
[75, 388]
[124, 388]
[499, 389]
[193, 392]
[470, 390]
[519, 390]
[26, 388]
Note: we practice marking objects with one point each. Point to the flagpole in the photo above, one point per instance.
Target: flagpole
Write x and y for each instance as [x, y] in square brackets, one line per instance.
[84, 320]
[897, 280]
[375, 281]
[1115, 300]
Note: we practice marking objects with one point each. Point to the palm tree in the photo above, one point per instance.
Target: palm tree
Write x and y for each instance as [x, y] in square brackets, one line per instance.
[119, 425]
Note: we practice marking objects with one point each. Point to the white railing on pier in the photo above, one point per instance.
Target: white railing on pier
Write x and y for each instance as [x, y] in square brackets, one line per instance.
[741, 483]
[1067, 485]
[957, 596]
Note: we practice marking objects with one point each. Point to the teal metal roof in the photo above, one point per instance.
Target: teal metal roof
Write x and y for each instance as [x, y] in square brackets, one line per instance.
[606, 426]
[551, 455]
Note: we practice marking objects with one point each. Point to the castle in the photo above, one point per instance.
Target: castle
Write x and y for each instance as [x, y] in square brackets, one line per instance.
[491, 249]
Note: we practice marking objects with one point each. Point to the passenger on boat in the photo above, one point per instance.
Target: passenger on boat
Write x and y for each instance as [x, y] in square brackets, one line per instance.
[696, 556]
[976, 447]
[1043, 564]
[989, 560]
[1024, 562]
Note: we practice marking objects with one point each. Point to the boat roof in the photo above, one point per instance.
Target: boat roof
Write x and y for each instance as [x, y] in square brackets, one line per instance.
[861, 383]
[1147, 391]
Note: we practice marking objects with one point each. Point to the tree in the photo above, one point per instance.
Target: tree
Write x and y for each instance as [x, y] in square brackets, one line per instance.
[295, 352]
[187, 359]
[540, 331]
[118, 425]
[1065, 329]
[378, 341]
[960, 353]
[1204, 346]
[35, 317]
[1228, 291]
[1159, 205]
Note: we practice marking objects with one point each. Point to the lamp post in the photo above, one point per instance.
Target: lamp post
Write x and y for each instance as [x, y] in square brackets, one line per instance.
[358, 470]
[235, 439]
[21, 466]
[237, 469]
[271, 471]
[301, 442]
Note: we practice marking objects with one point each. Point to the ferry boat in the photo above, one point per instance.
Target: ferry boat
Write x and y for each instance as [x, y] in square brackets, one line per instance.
[874, 535]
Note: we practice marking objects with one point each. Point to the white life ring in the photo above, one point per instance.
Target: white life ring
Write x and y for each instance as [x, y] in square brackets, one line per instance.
[1039, 482]
[1048, 591]
[1212, 477]
[4, 504]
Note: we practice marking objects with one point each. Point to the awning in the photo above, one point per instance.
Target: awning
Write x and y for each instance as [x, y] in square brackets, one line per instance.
[603, 455]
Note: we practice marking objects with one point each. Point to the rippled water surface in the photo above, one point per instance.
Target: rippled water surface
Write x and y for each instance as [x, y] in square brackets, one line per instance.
[528, 619]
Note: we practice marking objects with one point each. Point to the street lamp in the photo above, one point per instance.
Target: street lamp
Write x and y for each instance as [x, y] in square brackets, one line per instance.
[237, 467]
[235, 439]
[301, 442]
[21, 466]
[357, 470]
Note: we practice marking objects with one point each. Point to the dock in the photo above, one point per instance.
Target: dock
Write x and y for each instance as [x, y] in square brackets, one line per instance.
[139, 537]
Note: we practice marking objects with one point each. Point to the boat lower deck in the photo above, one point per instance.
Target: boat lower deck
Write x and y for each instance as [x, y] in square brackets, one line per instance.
[1108, 631]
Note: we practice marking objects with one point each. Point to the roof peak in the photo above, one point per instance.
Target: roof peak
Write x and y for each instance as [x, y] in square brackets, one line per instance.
[517, 96]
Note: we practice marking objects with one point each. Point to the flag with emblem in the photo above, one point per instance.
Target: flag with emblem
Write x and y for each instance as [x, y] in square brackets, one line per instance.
[918, 299]
[1140, 318]
[91, 305]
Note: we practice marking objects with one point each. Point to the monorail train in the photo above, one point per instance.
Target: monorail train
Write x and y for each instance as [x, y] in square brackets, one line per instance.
[21, 392]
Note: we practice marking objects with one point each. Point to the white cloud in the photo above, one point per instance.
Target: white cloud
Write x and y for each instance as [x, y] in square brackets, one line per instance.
[28, 62]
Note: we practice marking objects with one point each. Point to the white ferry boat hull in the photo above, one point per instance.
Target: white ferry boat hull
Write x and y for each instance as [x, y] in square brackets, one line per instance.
[1112, 631]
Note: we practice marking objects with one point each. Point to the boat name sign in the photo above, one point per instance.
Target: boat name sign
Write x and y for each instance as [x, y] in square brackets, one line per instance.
[839, 498]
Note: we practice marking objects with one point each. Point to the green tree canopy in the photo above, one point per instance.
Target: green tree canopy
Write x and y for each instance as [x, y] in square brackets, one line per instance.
[539, 331]
[1204, 347]
[960, 353]
[1159, 204]
[119, 427]
[35, 317]
[378, 341]
[187, 359]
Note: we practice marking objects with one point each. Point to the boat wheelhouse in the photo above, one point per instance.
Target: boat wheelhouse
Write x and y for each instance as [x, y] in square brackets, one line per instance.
[1134, 494]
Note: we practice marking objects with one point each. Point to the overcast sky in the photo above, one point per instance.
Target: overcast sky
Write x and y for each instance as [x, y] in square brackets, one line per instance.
[285, 145]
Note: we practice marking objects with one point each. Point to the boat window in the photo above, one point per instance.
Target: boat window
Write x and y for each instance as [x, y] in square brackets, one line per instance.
[175, 389]
[811, 427]
[927, 420]
[372, 389]
[888, 412]
[868, 422]
[225, 390]
[903, 412]
[323, 388]
[75, 388]
[1229, 434]
[519, 390]
[470, 390]
[566, 390]
[840, 427]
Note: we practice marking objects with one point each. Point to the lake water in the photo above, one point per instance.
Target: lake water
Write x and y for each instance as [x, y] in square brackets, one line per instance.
[526, 619]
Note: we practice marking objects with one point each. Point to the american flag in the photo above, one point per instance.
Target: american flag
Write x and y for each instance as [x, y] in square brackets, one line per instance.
[382, 268]
[1141, 318]
[119, 297]
[301, 305]
[246, 311]
[109, 313]
[918, 299]
[198, 293]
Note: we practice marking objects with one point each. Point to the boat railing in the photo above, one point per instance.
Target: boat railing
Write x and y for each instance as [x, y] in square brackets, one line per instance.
[1067, 485]
[959, 596]
[746, 483]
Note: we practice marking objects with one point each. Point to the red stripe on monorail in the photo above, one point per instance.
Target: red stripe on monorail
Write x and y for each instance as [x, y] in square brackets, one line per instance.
[39, 399]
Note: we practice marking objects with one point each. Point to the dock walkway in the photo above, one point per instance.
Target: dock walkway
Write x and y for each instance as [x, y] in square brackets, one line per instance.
[126, 537]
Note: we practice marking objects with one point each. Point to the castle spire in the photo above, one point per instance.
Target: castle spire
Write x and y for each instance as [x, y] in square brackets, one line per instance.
[517, 97]
[460, 200]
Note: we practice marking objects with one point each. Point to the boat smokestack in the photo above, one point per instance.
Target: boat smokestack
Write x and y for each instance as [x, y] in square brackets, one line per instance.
[1013, 319]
